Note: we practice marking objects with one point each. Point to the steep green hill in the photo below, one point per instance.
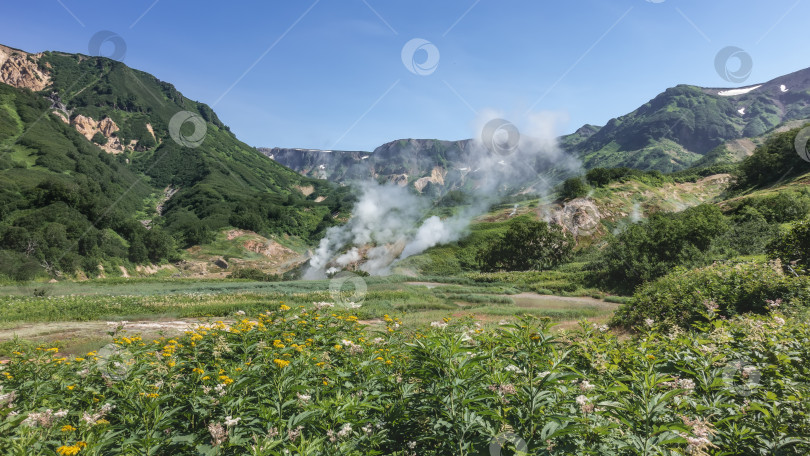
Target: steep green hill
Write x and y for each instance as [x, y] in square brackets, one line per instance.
[132, 192]
[688, 125]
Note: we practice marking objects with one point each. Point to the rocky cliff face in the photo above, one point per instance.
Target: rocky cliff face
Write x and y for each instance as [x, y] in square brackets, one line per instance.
[426, 164]
[20, 69]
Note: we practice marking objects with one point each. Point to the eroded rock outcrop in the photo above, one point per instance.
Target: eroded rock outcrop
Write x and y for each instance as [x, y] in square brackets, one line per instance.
[20, 69]
[88, 128]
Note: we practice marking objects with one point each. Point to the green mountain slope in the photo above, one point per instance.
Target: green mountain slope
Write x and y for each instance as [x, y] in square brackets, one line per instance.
[89, 157]
[682, 125]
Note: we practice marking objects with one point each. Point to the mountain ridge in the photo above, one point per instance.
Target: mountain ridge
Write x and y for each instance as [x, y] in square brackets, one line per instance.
[682, 126]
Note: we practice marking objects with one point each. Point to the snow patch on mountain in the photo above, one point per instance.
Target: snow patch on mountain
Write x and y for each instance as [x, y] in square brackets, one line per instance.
[734, 92]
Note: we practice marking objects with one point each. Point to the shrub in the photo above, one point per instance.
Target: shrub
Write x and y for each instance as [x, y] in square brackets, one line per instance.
[527, 244]
[99, 138]
[254, 274]
[687, 296]
[652, 248]
[574, 187]
[771, 162]
[782, 207]
[749, 235]
[793, 247]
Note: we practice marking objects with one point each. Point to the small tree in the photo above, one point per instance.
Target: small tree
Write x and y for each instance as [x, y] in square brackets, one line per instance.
[527, 244]
[99, 138]
[574, 187]
[793, 247]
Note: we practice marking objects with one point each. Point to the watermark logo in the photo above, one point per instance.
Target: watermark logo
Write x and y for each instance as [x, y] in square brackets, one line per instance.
[741, 377]
[114, 361]
[354, 293]
[723, 64]
[119, 46]
[176, 124]
[420, 56]
[508, 440]
[801, 144]
[500, 137]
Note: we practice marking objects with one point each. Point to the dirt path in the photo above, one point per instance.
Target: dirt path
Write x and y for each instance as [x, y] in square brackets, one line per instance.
[430, 284]
[559, 302]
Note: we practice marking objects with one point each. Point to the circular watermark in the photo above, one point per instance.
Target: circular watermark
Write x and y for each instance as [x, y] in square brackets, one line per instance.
[500, 136]
[500, 441]
[581, 219]
[96, 43]
[200, 129]
[801, 144]
[347, 298]
[420, 56]
[114, 361]
[723, 64]
[741, 377]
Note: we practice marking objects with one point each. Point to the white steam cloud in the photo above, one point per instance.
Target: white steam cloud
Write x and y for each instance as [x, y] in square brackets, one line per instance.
[388, 222]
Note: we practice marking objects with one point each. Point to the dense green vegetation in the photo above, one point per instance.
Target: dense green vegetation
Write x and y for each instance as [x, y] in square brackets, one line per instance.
[773, 161]
[653, 247]
[685, 296]
[792, 247]
[310, 380]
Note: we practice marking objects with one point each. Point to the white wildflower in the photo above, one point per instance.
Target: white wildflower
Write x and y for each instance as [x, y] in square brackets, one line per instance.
[586, 386]
[322, 305]
[230, 422]
[345, 430]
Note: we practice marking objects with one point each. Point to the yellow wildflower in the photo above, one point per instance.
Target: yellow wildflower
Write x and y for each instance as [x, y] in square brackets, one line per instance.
[68, 450]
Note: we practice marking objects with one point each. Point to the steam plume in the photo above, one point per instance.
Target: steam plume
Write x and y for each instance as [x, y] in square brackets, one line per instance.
[388, 223]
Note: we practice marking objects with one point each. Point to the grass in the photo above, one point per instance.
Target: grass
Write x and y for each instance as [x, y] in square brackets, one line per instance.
[117, 299]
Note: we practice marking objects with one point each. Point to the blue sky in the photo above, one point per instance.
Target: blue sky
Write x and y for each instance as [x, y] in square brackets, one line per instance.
[330, 74]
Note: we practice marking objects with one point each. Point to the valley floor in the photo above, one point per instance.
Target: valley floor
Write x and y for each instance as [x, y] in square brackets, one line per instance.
[78, 317]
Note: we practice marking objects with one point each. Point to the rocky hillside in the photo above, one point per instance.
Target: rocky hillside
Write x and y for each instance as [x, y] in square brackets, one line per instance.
[102, 165]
